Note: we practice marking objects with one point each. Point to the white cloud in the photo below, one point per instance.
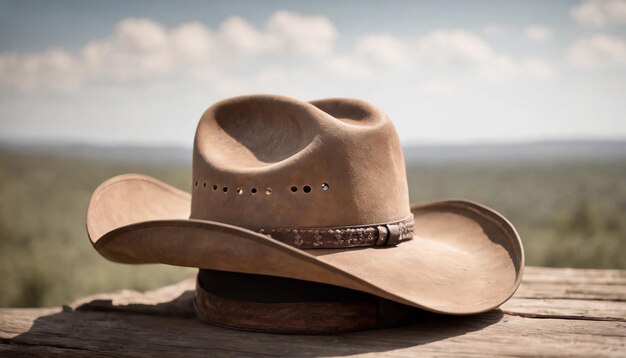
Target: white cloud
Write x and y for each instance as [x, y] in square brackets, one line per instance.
[237, 38]
[452, 46]
[598, 51]
[454, 54]
[193, 42]
[504, 69]
[285, 33]
[383, 49]
[537, 33]
[53, 70]
[458, 49]
[138, 50]
[305, 35]
[348, 67]
[141, 50]
[441, 53]
[144, 52]
[600, 13]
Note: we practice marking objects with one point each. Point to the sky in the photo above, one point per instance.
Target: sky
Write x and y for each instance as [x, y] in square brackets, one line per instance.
[445, 72]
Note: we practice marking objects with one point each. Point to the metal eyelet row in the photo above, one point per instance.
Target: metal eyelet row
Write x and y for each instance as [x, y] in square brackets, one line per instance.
[268, 191]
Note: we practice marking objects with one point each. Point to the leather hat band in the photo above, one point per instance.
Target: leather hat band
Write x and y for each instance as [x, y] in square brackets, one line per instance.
[283, 305]
[341, 237]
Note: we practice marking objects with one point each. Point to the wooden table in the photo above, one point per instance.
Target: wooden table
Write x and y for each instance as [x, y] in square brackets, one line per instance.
[556, 312]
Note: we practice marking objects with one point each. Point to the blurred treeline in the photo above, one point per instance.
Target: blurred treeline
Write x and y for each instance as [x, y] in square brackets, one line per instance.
[46, 257]
[569, 213]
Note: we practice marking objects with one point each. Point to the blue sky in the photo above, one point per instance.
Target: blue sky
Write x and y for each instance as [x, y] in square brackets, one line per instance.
[142, 72]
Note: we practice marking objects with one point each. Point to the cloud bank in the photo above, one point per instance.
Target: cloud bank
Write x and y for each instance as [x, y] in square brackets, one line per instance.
[144, 82]
[600, 13]
[598, 51]
[141, 50]
[538, 33]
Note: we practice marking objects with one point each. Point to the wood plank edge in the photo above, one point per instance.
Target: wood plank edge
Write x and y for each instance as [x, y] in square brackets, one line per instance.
[21, 349]
[562, 316]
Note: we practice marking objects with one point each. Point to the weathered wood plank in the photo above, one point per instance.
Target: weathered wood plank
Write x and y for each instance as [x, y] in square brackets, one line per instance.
[566, 309]
[557, 312]
[172, 300]
[492, 333]
[576, 291]
[8, 350]
[571, 275]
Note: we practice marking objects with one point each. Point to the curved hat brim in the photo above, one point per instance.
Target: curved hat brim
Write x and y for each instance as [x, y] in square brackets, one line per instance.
[464, 258]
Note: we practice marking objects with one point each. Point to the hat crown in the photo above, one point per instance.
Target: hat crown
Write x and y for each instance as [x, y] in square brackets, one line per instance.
[268, 161]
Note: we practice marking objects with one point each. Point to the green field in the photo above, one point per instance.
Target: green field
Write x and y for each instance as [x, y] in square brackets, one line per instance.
[569, 213]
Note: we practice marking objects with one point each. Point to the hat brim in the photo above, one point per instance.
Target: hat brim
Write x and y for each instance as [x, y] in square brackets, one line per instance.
[464, 258]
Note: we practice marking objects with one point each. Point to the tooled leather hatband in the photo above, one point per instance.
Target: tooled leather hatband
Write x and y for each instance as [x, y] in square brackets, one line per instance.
[341, 237]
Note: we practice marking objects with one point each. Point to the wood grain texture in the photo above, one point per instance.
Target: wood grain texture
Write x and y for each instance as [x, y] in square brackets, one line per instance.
[583, 315]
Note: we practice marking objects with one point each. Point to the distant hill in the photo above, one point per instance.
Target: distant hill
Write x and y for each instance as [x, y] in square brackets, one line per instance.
[123, 154]
[580, 150]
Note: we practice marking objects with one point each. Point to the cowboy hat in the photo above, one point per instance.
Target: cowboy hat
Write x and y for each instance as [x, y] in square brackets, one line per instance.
[316, 192]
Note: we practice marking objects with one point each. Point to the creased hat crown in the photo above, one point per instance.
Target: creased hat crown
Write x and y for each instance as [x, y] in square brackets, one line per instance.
[271, 161]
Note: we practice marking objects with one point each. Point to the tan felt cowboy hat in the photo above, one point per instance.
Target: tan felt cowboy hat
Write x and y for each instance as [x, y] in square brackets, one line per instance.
[308, 192]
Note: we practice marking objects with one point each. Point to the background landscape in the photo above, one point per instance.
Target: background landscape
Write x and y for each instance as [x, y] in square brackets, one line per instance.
[567, 200]
[519, 105]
